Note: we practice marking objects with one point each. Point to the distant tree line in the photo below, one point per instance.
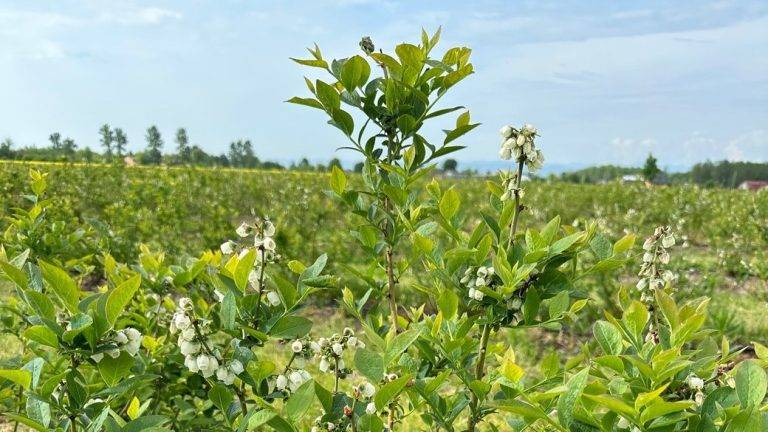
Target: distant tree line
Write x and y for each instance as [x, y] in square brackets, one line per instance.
[113, 144]
[723, 173]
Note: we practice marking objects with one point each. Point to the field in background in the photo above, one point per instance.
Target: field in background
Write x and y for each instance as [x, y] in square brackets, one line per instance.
[722, 251]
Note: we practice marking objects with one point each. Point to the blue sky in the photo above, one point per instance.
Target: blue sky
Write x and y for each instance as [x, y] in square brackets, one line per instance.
[605, 82]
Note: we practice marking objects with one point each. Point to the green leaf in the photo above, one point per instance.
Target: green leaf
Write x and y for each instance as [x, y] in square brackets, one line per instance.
[608, 337]
[558, 304]
[112, 370]
[389, 391]
[221, 396]
[120, 297]
[458, 132]
[144, 423]
[291, 327]
[399, 344]
[661, 408]
[328, 96]
[77, 325]
[259, 418]
[449, 203]
[567, 401]
[42, 335]
[300, 401]
[636, 317]
[370, 364]
[318, 63]
[338, 180]
[62, 285]
[27, 422]
[354, 73]
[41, 304]
[228, 310]
[751, 383]
[750, 420]
[612, 403]
[20, 377]
[624, 244]
[15, 275]
[243, 269]
[310, 102]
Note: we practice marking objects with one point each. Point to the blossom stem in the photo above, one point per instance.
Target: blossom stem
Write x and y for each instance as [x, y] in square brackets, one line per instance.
[260, 290]
[288, 366]
[516, 217]
[201, 338]
[391, 283]
[336, 375]
[479, 373]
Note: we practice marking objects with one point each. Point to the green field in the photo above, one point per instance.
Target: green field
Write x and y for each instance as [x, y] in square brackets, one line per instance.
[153, 219]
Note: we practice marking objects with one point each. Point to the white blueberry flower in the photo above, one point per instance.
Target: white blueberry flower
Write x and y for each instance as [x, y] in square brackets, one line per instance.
[190, 362]
[269, 228]
[314, 346]
[324, 365]
[506, 131]
[243, 230]
[188, 348]
[367, 389]
[337, 349]
[236, 367]
[181, 321]
[121, 338]
[228, 247]
[352, 342]
[528, 129]
[281, 382]
[330, 426]
[695, 383]
[370, 408]
[273, 298]
[297, 346]
[97, 357]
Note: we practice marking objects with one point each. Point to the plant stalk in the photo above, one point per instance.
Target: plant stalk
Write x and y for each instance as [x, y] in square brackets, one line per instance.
[516, 217]
[479, 373]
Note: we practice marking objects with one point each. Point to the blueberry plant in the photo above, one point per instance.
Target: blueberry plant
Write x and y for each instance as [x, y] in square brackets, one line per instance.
[221, 341]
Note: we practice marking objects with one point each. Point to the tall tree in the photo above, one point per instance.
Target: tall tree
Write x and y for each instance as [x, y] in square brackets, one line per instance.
[5, 149]
[55, 139]
[450, 165]
[154, 154]
[121, 142]
[68, 146]
[182, 145]
[651, 169]
[106, 140]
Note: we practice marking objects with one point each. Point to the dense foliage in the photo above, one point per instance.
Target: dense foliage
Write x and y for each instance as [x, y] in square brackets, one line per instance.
[125, 326]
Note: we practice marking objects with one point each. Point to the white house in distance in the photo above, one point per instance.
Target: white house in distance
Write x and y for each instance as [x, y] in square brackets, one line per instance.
[753, 185]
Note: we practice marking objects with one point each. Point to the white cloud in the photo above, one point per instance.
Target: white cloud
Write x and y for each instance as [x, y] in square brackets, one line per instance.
[141, 16]
[750, 146]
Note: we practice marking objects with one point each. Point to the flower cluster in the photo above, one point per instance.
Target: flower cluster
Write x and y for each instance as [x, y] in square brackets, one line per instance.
[263, 231]
[696, 385]
[330, 351]
[291, 380]
[509, 184]
[474, 278]
[128, 340]
[366, 390]
[655, 256]
[198, 357]
[519, 144]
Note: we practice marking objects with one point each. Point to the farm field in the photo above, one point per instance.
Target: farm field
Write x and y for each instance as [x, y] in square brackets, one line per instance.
[158, 220]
